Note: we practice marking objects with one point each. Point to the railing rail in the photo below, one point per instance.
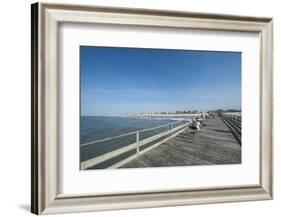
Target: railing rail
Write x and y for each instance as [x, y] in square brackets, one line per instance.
[134, 146]
[127, 134]
[236, 117]
[107, 139]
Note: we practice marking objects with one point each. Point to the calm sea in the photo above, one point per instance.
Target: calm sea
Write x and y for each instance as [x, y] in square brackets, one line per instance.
[94, 128]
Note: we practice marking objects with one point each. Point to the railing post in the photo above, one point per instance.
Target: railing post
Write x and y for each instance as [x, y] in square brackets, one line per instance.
[171, 128]
[137, 142]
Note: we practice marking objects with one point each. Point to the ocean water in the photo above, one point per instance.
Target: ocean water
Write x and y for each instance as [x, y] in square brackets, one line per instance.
[94, 128]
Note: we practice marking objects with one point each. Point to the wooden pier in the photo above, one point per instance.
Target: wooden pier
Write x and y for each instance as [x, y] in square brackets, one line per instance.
[219, 142]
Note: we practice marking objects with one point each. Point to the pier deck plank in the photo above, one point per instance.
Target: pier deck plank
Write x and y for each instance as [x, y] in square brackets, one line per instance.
[212, 144]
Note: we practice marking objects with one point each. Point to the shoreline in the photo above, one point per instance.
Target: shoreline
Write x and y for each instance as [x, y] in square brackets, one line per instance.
[167, 115]
[147, 115]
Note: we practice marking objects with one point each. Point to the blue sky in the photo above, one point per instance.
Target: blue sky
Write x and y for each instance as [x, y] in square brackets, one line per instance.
[123, 80]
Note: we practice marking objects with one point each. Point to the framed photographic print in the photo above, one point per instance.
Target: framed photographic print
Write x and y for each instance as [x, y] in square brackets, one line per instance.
[144, 108]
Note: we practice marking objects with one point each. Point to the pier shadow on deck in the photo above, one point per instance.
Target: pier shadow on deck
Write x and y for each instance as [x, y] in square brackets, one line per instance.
[213, 144]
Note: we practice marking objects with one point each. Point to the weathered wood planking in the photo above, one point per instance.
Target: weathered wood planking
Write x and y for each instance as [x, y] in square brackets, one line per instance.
[213, 144]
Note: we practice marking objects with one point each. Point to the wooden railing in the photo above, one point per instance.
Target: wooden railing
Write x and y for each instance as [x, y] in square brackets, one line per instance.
[174, 129]
[236, 117]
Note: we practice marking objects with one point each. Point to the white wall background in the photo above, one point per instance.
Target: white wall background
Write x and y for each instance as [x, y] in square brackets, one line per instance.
[15, 106]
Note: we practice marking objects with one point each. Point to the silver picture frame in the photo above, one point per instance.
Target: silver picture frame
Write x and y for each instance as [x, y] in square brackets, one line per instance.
[45, 20]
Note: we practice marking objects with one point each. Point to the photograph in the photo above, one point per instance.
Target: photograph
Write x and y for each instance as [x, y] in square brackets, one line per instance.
[147, 107]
